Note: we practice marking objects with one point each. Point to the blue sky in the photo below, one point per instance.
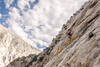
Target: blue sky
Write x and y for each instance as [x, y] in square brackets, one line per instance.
[4, 13]
[37, 21]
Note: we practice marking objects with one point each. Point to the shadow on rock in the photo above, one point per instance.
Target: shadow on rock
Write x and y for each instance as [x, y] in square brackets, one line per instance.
[23, 61]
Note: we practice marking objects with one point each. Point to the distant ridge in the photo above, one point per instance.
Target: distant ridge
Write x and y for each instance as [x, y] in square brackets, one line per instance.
[12, 47]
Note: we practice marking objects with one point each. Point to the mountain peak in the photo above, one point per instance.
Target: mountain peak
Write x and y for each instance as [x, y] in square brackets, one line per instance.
[12, 47]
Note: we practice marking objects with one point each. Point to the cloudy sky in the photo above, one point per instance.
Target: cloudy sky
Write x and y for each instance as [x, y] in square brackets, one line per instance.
[37, 21]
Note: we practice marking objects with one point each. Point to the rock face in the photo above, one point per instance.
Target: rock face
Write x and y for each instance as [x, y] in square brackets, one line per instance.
[76, 45]
[12, 47]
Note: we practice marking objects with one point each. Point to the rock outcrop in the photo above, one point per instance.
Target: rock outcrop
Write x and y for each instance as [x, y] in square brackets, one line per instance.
[12, 47]
[80, 47]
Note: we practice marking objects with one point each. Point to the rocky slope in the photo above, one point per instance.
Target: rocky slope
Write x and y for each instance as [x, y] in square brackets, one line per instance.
[79, 48]
[12, 47]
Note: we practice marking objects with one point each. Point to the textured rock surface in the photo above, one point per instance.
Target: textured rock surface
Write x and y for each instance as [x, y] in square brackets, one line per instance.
[82, 49]
[12, 47]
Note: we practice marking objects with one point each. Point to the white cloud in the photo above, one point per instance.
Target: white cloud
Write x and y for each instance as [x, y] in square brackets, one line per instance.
[0, 15]
[32, 0]
[8, 3]
[17, 30]
[14, 14]
[22, 3]
[43, 22]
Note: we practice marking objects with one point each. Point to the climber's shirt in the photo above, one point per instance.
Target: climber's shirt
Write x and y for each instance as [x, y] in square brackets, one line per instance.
[69, 32]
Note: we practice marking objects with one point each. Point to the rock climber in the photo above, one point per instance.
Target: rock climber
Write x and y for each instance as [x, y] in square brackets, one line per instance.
[69, 33]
